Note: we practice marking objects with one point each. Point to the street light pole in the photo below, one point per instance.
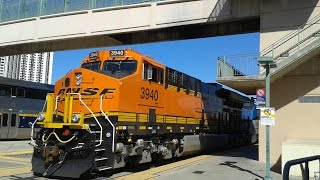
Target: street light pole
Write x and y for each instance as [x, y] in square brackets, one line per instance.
[267, 63]
[268, 177]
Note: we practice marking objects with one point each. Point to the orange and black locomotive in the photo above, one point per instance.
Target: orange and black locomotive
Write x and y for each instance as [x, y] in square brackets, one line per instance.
[121, 106]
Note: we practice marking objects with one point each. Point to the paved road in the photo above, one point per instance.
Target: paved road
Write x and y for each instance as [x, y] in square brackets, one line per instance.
[235, 164]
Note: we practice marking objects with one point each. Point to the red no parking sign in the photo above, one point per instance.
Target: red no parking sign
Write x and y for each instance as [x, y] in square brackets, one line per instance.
[261, 95]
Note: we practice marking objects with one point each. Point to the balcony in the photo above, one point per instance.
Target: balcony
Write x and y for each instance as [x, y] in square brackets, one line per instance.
[243, 73]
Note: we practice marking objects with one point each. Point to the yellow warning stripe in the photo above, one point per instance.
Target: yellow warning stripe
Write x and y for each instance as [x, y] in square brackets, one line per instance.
[143, 118]
[124, 116]
[15, 159]
[131, 117]
[17, 153]
[170, 119]
[22, 167]
[14, 171]
[159, 119]
[181, 120]
[192, 121]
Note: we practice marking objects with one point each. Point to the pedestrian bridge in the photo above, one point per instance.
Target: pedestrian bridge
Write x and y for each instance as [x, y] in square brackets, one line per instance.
[44, 25]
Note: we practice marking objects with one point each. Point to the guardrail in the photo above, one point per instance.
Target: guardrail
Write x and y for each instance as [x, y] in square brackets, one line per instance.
[238, 65]
[294, 41]
[305, 160]
[20, 9]
[284, 47]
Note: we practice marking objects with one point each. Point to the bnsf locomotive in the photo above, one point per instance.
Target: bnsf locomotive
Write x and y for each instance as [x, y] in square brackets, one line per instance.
[123, 107]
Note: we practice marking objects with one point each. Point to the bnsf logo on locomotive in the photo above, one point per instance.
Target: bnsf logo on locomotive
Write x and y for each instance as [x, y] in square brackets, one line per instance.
[87, 91]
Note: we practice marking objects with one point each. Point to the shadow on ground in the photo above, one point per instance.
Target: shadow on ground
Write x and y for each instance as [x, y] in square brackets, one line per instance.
[232, 165]
[249, 152]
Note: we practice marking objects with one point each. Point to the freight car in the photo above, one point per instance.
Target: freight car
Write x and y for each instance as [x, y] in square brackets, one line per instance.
[20, 103]
[124, 107]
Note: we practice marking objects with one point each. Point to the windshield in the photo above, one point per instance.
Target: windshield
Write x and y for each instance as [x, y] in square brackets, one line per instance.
[92, 65]
[119, 69]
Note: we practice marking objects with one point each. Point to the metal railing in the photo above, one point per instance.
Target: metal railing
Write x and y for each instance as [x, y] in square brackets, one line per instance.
[279, 51]
[305, 172]
[21, 9]
[238, 65]
[294, 41]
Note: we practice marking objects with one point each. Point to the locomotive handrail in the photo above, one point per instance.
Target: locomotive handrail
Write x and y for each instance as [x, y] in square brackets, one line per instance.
[113, 128]
[32, 143]
[95, 118]
[56, 104]
[44, 105]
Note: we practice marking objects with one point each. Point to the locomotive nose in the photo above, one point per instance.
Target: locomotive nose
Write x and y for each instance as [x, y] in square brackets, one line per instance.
[74, 78]
[90, 89]
[77, 76]
[73, 82]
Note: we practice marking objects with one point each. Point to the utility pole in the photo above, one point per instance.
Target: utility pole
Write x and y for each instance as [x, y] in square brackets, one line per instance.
[267, 62]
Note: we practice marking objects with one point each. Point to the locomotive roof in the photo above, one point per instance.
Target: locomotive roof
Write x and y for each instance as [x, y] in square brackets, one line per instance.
[87, 58]
[26, 84]
[231, 95]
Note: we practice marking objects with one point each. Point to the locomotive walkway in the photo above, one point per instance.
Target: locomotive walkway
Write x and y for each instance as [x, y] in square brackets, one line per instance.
[235, 164]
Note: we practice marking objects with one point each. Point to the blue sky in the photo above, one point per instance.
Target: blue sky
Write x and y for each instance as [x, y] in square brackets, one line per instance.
[197, 57]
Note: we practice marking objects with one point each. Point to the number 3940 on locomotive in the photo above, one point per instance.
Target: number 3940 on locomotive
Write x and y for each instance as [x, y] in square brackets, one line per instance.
[123, 107]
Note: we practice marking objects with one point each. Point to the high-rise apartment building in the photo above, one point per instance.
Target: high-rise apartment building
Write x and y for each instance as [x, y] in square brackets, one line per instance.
[3, 67]
[35, 67]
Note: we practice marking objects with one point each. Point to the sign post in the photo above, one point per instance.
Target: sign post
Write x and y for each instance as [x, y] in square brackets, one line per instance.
[267, 62]
[268, 177]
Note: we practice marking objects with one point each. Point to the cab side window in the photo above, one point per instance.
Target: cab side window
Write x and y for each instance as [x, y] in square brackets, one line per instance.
[152, 73]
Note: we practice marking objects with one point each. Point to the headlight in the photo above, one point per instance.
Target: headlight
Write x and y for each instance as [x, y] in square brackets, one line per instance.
[75, 118]
[40, 117]
[78, 79]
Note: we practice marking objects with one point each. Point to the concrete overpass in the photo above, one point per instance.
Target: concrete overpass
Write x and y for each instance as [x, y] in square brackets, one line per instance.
[126, 24]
